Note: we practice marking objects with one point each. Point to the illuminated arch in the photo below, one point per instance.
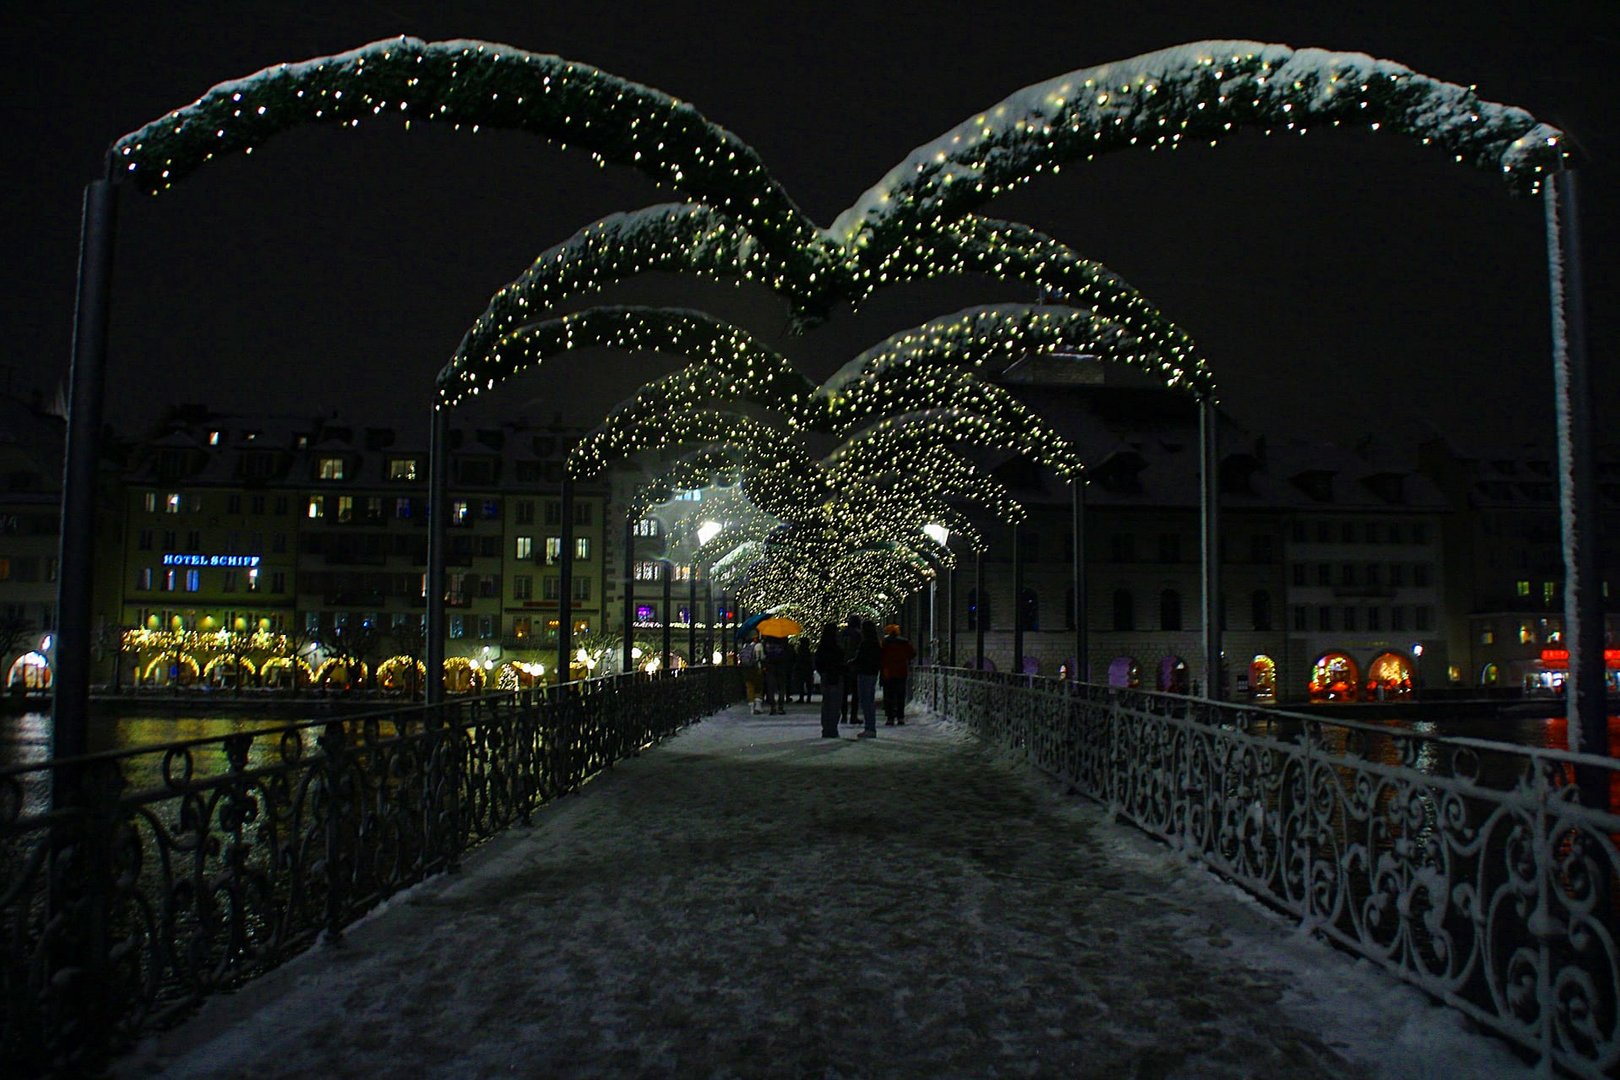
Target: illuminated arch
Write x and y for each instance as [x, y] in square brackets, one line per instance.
[31, 671]
[335, 669]
[1390, 675]
[277, 670]
[1124, 673]
[226, 667]
[477, 84]
[1263, 678]
[1335, 676]
[1201, 92]
[184, 664]
[395, 674]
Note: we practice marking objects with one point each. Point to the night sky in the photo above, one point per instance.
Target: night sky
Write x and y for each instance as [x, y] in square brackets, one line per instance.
[1342, 283]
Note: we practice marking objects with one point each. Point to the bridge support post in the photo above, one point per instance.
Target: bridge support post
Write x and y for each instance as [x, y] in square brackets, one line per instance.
[629, 661]
[438, 535]
[1586, 690]
[1082, 660]
[76, 555]
[565, 586]
[978, 611]
[1210, 547]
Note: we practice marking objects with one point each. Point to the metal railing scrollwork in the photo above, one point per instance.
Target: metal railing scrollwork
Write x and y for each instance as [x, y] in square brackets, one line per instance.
[1469, 868]
[185, 868]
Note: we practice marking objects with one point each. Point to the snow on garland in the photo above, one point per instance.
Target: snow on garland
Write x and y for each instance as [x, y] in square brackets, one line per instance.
[1199, 91]
[475, 84]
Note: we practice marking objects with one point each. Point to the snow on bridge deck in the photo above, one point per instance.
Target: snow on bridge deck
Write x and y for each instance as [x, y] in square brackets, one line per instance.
[749, 899]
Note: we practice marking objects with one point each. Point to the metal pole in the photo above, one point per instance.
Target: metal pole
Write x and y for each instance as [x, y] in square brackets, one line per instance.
[565, 586]
[668, 570]
[438, 541]
[708, 619]
[933, 635]
[629, 660]
[979, 607]
[691, 613]
[950, 617]
[76, 554]
[1585, 691]
[1018, 601]
[1082, 659]
[1209, 506]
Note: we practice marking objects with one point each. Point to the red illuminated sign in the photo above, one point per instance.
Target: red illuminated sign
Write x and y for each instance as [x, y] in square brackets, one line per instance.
[1558, 659]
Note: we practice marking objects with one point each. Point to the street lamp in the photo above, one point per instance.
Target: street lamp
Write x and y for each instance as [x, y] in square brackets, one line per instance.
[940, 535]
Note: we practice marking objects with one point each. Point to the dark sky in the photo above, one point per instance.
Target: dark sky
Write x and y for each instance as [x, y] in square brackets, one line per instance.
[1342, 283]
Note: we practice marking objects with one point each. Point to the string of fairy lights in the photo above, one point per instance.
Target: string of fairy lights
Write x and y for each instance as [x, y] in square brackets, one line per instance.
[827, 533]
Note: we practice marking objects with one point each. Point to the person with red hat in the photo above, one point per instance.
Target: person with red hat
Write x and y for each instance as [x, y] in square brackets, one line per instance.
[895, 656]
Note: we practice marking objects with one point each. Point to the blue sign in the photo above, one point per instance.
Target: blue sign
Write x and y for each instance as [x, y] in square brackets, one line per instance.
[171, 559]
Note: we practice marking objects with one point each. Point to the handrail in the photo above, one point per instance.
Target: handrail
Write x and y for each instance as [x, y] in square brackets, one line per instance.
[182, 869]
[1471, 869]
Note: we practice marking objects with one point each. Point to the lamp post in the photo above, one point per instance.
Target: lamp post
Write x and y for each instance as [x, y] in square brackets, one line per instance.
[940, 535]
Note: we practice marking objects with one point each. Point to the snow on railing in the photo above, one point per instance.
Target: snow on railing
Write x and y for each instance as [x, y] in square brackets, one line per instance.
[1469, 868]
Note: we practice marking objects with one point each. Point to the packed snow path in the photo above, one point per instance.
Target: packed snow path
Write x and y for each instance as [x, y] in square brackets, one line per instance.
[749, 899]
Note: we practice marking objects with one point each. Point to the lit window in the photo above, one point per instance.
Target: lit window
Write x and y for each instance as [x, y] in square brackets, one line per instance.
[402, 508]
[689, 495]
[331, 468]
[317, 506]
[1549, 592]
[402, 469]
[647, 527]
[648, 571]
[253, 579]
[193, 580]
[168, 580]
[150, 502]
[144, 581]
[525, 547]
[553, 550]
[582, 547]
[171, 503]
[460, 510]
[213, 438]
[345, 507]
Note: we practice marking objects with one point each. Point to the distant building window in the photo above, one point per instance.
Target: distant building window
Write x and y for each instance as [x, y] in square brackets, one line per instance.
[1487, 636]
[1549, 592]
[689, 495]
[1522, 588]
[460, 511]
[486, 627]
[1350, 618]
[1420, 575]
[583, 513]
[402, 508]
[1170, 610]
[551, 588]
[582, 547]
[525, 548]
[149, 502]
[522, 586]
[582, 588]
[1423, 618]
[331, 468]
[345, 508]
[1124, 610]
[402, 468]
[523, 512]
[492, 510]
[553, 512]
[143, 580]
[458, 626]
[169, 579]
[1373, 618]
[649, 570]
[649, 527]
[317, 506]
[553, 550]
[233, 503]
[1301, 619]
[146, 540]
[172, 503]
[1260, 609]
[1324, 618]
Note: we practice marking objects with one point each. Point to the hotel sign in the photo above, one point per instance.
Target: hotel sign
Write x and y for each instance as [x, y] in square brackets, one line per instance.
[174, 559]
[1558, 659]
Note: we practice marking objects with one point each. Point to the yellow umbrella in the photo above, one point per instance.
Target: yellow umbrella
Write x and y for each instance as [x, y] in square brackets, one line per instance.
[778, 626]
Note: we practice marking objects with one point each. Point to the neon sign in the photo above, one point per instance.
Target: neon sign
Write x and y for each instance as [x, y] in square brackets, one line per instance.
[173, 559]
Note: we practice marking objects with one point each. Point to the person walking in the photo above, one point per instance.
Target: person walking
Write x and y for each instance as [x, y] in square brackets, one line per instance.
[868, 662]
[804, 668]
[849, 639]
[748, 659]
[896, 655]
[829, 661]
[778, 674]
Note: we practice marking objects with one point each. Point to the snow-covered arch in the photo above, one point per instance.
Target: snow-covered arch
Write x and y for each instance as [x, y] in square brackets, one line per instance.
[1196, 92]
[476, 84]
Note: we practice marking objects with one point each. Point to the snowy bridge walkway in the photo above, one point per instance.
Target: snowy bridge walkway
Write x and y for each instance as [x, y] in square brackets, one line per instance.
[749, 899]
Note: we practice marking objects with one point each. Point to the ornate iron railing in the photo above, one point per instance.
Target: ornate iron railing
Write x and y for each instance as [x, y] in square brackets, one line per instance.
[1469, 868]
[165, 873]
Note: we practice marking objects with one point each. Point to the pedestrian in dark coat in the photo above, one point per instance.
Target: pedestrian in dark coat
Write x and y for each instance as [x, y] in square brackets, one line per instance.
[804, 668]
[830, 666]
[849, 639]
[895, 668]
[868, 662]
